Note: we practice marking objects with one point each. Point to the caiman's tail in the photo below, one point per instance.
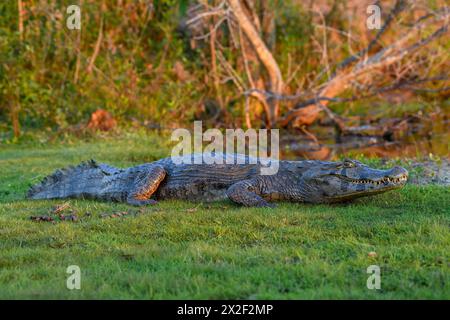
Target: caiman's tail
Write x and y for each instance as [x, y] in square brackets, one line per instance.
[64, 183]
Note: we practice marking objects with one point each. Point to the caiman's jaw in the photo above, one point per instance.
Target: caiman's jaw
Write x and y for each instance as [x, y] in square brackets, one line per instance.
[354, 180]
[398, 181]
[365, 187]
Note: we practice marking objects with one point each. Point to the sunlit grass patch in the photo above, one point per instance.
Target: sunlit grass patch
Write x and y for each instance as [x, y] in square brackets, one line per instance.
[180, 249]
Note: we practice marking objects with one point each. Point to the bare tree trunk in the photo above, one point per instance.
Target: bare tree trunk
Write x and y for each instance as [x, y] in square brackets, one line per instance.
[268, 25]
[15, 104]
[253, 70]
[20, 9]
[78, 61]
[15, 119]
[216, 79]
[97, 47]
[264, 54]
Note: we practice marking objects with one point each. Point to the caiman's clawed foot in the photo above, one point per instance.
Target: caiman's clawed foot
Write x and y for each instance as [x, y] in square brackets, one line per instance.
[145, 184]
[247, 193]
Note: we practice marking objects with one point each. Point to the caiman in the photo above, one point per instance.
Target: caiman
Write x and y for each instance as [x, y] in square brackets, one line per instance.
[297, 181]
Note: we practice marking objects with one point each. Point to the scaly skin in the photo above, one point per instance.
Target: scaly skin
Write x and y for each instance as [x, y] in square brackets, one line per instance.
[298, 181]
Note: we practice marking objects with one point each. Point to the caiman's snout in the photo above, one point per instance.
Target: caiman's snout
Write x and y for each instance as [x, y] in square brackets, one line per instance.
[382, 179]
[396, 175]
[360, 180]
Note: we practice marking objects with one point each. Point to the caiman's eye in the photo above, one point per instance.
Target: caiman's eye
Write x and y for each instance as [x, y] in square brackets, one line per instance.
[348, 164]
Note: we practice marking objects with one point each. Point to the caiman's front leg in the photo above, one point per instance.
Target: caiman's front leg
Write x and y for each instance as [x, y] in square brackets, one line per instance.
[247, 193]
[145, 184]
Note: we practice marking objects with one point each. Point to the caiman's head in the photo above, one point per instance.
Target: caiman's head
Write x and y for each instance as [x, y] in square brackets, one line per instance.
[349, 179]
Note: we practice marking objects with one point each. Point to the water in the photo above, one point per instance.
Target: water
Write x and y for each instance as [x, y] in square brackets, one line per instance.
[418, 140]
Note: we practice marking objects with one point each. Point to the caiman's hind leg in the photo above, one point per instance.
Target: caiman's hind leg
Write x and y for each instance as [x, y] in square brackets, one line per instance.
[145, 184]
[247, 193]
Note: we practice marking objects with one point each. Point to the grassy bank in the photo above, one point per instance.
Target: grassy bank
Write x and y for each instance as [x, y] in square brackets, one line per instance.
[186, 250]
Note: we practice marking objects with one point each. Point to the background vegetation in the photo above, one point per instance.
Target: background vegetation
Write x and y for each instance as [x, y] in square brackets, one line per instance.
[142, 62]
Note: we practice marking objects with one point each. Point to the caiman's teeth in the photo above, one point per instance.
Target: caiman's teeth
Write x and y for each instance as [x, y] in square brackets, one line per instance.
[380, 181]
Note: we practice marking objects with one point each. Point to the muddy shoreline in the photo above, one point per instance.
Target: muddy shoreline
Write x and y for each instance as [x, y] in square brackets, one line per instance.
[429, 172]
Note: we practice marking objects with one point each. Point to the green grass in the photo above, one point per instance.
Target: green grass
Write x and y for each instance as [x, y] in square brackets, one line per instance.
[187, 250]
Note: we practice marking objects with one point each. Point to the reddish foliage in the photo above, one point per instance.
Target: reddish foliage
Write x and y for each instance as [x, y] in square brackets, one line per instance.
[101, 120]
